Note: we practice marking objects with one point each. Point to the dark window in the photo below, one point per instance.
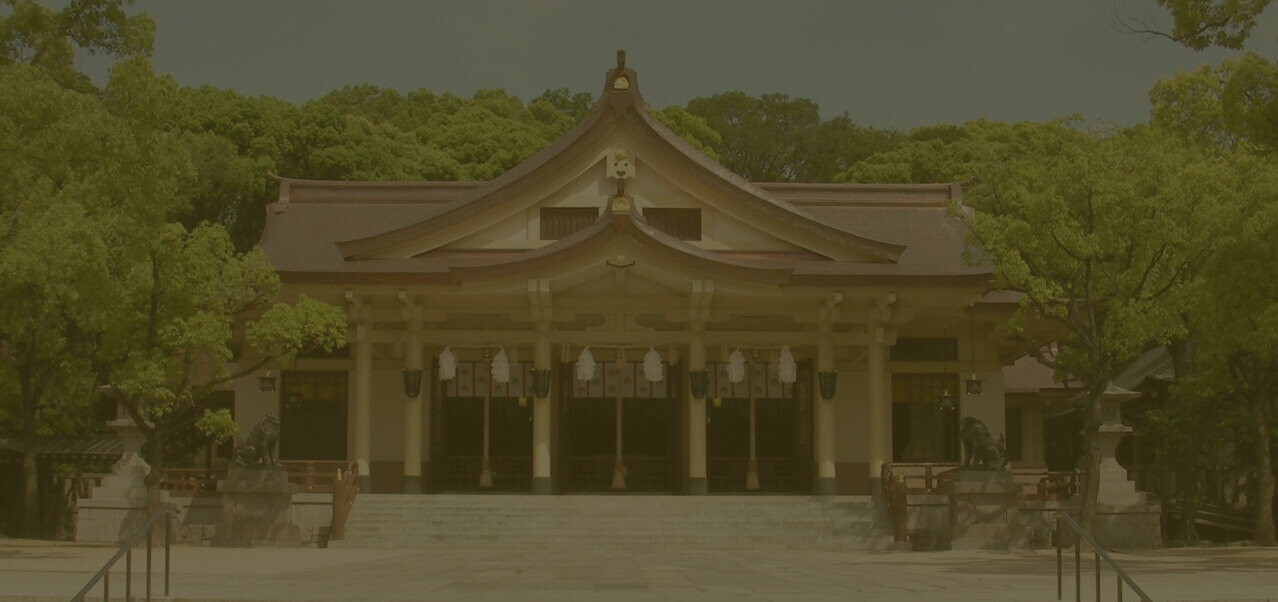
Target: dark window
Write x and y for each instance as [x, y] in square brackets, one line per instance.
[921, 430]
[560, 222]
[684, 224]
[313, 415]
[1012, 418]
[921, 349]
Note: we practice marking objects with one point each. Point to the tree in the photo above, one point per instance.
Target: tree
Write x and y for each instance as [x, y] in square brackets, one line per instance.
[1056, 219]
[1202, 23]
[1235, 326]
[36, 35]
[1233, 103]
[168, 344]
[72, 167]
[774, 138]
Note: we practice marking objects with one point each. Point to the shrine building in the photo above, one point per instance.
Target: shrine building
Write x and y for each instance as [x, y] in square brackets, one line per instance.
[620, 313]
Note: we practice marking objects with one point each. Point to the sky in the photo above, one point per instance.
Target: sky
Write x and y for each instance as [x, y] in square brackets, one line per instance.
[898, 64]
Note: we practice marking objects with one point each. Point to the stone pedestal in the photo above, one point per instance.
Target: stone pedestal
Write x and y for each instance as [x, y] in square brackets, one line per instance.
[982, 513]
[257, 510]
[1124, 517]
[117, 507]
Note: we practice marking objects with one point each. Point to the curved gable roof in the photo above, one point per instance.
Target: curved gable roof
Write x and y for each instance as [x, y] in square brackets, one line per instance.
[620, 106]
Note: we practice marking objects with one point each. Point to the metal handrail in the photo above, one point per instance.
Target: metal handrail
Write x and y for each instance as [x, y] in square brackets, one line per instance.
[1100, 553]
[126, 550]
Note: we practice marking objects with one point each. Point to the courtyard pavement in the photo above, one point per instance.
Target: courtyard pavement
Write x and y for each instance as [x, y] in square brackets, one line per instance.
[35, 571]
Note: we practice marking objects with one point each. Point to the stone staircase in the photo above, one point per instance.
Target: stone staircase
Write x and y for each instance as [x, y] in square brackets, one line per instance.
[625, 521]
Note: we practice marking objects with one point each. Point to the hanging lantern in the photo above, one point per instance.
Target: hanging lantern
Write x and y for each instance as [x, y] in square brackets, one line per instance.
[946, 399]
[826, 380]
[697, 382]
[652, 368]
[586, 365]
[447, 364]
[787, 369]
[973, 384]
[501, 367]
[266, 383]
[412, 382]
[736, 367]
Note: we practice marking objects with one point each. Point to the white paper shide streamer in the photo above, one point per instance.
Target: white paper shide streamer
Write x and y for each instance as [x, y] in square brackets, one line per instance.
[447, 364]
[586, 365]
[501, 367]
[652, 366]
[787, 370]
[736, 367]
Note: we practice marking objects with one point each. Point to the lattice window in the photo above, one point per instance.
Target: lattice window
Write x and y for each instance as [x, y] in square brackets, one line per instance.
[561, 222]
[681, 223]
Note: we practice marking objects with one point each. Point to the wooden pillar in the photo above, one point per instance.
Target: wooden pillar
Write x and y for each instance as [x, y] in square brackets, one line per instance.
[880, 405]
[827, 483]
[363, 405]
[697, 484]
[413, 416]
[541, 481]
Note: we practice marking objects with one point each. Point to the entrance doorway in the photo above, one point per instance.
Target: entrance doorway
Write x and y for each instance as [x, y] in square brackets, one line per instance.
[782, 432]
[462, 443]
[649, 432]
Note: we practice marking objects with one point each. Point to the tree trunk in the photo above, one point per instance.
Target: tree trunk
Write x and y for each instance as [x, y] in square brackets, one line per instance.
[30, 480]
[1090, 464]
[30, 486]
[1264, 535]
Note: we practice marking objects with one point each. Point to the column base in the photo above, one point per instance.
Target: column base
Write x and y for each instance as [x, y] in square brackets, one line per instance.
[365, 483]
[412, 484]
[827, 486]
[697, 486]
[541, 486]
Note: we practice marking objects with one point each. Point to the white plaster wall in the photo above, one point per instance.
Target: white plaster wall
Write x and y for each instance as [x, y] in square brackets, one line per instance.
[851, 417]
[252, 405]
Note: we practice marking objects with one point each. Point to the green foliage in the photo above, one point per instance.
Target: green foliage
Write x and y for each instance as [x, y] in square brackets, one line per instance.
[691, 128]
[48, 40]
[1203, 23]
[1233, 103]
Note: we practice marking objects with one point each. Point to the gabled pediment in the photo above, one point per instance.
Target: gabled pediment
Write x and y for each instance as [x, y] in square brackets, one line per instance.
[620, 239]
[620, 149]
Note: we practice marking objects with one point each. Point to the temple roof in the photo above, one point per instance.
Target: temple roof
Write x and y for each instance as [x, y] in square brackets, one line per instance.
[324, 231]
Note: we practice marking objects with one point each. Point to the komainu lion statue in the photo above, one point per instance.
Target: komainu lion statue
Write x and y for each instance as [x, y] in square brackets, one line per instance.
[257, 450]
[979, 448]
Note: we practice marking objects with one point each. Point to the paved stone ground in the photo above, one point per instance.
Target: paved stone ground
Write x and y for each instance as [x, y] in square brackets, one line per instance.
[34, 571]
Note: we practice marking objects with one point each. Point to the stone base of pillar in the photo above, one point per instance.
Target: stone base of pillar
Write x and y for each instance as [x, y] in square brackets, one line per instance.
[541, 486]
[827, 486]
[365, 483]
[697, 486]
[412, 484]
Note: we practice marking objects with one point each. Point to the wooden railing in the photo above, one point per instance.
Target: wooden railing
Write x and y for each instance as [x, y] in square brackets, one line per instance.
[1036, 483]
[310, 476]
[345, 486]
[892, 483]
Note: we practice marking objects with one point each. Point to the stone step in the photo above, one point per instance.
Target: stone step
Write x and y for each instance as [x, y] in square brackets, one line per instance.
[629, 521]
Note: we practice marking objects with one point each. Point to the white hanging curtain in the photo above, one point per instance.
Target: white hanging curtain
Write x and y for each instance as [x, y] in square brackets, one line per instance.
[501, 367]
[447, 364]
[652, 366]
[736, 367]
[787, 370]
[586, 365]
